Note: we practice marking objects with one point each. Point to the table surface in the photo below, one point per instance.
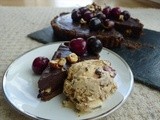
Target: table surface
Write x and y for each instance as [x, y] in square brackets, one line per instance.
[17, 22]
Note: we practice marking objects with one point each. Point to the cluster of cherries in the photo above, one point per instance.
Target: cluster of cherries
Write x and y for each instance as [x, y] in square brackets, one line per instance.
[80, 46]
[100, 18]
[77, 45]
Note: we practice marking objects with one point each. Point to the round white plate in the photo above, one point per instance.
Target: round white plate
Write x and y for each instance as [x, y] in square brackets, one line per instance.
[21, 89]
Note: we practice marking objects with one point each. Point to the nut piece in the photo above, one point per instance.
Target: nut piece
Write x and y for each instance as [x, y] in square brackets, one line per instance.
[58, 63]
[82, 21]
[121, 17]
[91, 7]
[54, 63]
[72, 58]
[48, 90]
[62, 62]
[128, 32]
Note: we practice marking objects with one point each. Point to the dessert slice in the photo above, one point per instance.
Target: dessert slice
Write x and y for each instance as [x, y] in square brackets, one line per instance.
[52, 79]
[129, 28]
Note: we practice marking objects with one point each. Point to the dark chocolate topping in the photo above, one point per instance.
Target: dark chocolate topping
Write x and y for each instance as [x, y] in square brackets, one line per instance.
[66, 29]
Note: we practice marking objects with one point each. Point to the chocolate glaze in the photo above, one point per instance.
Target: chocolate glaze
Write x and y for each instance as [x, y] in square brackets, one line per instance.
[65, 29]
[54, 78]
[132, 25]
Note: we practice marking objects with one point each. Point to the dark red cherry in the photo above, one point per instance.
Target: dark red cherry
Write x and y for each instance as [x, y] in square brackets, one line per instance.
[87, 16]
[106, 11]
[126, 15]
[108, 24]
[95, 24]
[115, 12]
[39, 64]
[94, 45]
[78, 46]
[76, 15]
[83, 10]
[101, 16]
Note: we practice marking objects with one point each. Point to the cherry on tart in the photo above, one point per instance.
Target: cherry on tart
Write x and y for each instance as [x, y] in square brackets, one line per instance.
[87, 16]
[107, 11]
[108, 24]
[83, 10]
[76, 15]
[101, 16]
[95, 24]
[114, 13]
[126, 15]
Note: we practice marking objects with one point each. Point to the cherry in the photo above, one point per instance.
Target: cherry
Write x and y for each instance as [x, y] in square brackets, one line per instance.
[87, 16]
[108, 24]
[95, 24]
[78, 46]
[101, 16]
[83, 10]
[115, 12]
[106, 11]
[39, 64]
[94, 45]
[76, 15]
[126, 14]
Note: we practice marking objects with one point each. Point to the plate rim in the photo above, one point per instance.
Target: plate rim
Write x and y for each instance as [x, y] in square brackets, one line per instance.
[29, 115]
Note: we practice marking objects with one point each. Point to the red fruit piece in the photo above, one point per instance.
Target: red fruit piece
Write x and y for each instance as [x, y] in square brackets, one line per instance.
[107, 11]
[115, 12]
[87, 16]
[78, 46]
[94, 45]
[39, 64]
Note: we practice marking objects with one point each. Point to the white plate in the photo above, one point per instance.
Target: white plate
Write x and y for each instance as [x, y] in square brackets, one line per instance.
[20, 87]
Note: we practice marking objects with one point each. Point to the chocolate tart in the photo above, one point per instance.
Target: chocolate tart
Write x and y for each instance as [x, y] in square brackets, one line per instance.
[65, 29]
[51, 81]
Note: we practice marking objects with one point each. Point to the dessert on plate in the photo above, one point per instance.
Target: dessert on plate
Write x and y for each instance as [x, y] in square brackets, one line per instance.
[75, 70]
[52, 79]
[88, 84]
[110, 25]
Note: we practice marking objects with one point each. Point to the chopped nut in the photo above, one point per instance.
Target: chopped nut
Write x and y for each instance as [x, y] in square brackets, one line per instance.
[128, 31]
[96, 7]
[121, 17]
[82, 21]
[48, 90]
[62, 62]
[72, 58]
[91, 7]
[54, 63]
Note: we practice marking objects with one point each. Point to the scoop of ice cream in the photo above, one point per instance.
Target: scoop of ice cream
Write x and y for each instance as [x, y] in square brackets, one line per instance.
[89, 83]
